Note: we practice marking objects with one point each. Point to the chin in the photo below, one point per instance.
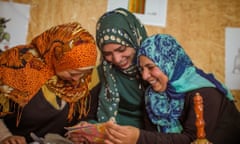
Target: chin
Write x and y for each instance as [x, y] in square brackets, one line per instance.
[156, 89]
[125, 67]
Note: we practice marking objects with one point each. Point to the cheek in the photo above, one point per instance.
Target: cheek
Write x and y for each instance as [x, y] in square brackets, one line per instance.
[132, 53]
[164, 78]
[156, 73]
[160, 75]
[64, 75]
[108, 58]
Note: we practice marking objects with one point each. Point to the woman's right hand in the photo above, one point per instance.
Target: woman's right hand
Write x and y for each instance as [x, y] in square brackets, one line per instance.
[117, 134]
[75, 137]
[14, 140]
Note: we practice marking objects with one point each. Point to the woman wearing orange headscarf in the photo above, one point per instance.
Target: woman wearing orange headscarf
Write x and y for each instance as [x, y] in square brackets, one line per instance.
[44, 85]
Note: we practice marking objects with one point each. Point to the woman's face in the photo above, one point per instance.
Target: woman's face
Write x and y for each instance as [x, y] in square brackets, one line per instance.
[75, 75]
[152, 74]
[119, 55]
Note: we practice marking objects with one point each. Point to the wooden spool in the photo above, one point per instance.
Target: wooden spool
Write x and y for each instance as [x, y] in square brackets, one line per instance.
[200, 123]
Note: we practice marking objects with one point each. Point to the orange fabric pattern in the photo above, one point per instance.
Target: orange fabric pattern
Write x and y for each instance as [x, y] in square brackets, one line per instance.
[25, 68]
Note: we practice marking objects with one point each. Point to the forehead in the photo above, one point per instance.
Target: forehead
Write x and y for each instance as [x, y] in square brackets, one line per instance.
[80, 70]
[86, 68]
[111, 47]
[144, 60]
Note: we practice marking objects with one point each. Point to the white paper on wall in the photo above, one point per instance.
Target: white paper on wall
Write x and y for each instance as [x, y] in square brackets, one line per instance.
[14, 18]
[155, 11]
[232, 58]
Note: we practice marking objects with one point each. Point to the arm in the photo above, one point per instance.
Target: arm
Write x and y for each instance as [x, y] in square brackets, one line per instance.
[6, 136]
[212, 100]
[93, 104]
[212, 112]
[4, 132]
[90, 119]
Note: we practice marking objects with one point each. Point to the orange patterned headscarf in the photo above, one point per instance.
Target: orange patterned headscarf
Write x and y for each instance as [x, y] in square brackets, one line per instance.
[24, 69]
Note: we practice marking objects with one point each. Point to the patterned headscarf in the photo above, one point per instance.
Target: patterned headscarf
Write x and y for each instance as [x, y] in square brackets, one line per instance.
[121, 27]
[24, 69]
[164, 108]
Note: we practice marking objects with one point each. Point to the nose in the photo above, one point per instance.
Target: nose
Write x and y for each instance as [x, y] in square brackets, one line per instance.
[145, 74]
[77, 77]
[116, 58]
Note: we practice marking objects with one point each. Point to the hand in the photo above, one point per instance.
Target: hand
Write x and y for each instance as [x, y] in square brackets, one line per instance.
[75, 137]
[14, 140]
[117, 134]
[87, 133]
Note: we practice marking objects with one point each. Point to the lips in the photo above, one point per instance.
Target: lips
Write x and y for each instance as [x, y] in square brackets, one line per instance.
[152, 82]
[123, 64]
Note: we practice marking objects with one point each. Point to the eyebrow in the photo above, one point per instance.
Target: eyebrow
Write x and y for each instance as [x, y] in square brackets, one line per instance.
[147, 65]
[77, 71]
[121, 46]
[117, 49]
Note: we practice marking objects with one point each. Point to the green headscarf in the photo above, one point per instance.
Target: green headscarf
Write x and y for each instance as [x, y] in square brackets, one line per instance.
[121, 27]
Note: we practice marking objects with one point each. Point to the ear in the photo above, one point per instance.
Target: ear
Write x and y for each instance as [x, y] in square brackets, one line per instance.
[57, 47]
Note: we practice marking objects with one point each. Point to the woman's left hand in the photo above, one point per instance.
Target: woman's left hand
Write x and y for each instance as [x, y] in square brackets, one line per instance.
[117, 134]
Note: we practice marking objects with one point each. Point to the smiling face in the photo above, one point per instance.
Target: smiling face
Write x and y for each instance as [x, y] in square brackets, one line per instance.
[75, 75]
[152, 74]
[119, 55]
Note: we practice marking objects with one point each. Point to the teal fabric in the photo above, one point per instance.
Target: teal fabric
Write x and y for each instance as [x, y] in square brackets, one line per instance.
[131, 101]
[165, 108]
[123, 101]
[121, 27]
[120, 88]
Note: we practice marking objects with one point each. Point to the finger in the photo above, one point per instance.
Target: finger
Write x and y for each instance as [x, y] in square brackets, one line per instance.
[12, 141]
[84, 123]
[117, 130]
[111, 137]
[113, 126]
[16, 140]
[21, 140]
[75, 135]
[107, 142]
[79, 139]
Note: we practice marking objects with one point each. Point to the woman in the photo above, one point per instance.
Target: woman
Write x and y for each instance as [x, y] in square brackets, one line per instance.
[44, 85]
[174, 81]
[119, 35]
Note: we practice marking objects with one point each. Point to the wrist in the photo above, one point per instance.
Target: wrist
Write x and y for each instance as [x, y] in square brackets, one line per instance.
[4, 131]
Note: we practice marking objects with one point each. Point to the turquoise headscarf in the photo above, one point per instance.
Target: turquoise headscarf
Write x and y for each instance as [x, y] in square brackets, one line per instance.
[165, 108]
[121, 27]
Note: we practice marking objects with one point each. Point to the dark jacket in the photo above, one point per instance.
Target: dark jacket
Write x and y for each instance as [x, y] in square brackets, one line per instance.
[222, 121]
[40, 117]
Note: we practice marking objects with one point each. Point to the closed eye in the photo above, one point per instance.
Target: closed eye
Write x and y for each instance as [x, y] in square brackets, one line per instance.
[147, 66]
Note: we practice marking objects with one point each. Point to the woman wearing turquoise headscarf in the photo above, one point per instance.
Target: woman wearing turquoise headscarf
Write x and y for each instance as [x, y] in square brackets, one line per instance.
[174, 81]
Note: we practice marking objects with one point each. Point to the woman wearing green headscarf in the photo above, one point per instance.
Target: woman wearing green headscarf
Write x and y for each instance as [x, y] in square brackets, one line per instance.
[120, 92]
[119, 35]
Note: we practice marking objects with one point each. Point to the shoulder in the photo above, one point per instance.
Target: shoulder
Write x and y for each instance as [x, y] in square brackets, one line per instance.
[96, 88]
[211, 97]
[206, 93]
